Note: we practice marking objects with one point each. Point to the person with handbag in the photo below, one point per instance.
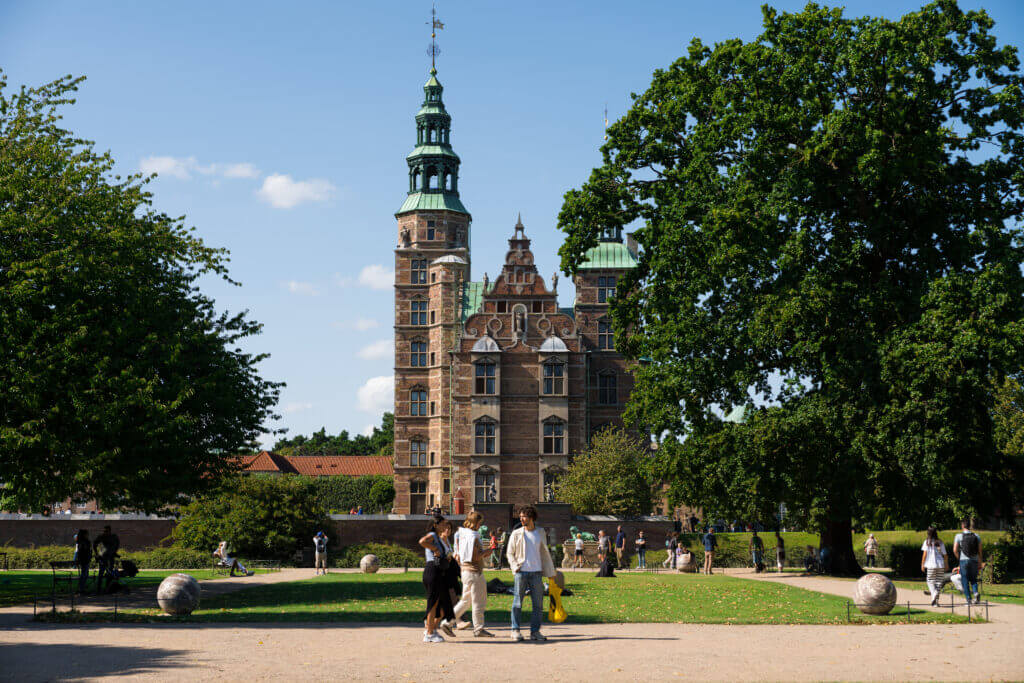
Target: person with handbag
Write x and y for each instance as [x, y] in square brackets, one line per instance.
[530, 559]
[438, 551]
[470, 557]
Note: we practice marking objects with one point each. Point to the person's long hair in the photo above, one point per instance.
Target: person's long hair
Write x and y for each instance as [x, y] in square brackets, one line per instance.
[933, 538]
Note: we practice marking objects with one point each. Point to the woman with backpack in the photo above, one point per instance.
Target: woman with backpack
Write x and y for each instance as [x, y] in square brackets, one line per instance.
[934, 563]
[437, 549]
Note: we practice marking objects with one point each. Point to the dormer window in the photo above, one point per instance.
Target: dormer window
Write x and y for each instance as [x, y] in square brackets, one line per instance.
[554, 379]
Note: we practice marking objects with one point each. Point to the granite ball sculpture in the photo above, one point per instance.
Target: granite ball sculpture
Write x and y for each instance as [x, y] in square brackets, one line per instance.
[369, 564]
[874, 594]
[178, 595]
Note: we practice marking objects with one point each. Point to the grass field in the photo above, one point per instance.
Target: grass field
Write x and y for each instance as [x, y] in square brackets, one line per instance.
[672, 598]
[19, 586]
[1012, 593]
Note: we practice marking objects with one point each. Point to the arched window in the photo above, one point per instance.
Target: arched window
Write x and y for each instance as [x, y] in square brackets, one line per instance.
[485, 378]
[554, 437]
[418, 402]
[554, 378]
[417, 453]
[484, 437]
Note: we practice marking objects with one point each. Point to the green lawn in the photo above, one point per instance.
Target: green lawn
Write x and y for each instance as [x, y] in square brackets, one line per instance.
[398, 598]
[19, 586]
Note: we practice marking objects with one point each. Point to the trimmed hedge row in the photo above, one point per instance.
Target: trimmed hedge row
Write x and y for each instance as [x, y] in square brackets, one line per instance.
[388, 555]
[156, 558]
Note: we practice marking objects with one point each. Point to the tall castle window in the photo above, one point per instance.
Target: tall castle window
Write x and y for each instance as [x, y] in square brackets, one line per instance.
[607, 389]
[484, 437]
[605, 289]
[417, 453]
[418, 402]
[484, 490]
[418, 313]
[418, 271]
[605, 336]
[484, 378]
[418, 354]
[554, 437]
[554, 378]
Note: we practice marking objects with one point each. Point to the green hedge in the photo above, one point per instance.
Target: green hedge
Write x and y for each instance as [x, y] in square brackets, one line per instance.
[388, 555]
[156, 558]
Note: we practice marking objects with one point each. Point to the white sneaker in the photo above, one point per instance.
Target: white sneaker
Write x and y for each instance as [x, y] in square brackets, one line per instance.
[517, 636]
[463, 625]
[426, 637]
[436, 638]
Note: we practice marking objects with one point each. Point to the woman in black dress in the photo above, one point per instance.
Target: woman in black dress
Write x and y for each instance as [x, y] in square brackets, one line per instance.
[436, 579]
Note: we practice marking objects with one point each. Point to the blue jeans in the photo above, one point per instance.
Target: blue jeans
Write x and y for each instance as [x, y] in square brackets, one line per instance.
[641, 559]
[524, 580]
[969, 578]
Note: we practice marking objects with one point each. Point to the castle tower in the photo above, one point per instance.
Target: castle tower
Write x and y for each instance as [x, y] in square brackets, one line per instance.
[431, 268]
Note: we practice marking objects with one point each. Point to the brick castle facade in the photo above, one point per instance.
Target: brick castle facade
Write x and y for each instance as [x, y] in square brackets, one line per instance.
[495, 384]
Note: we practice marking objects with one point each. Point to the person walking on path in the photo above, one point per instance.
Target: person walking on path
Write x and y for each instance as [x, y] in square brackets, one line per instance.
[578, 558]
[320, 553]
[967, 547]
[780, 551]
[83, 557]
[641, 551]
[757, 552]
[620, 548]
[530, 560]
[671, 544]
[469, 553]
[933, 563]
[871, 550]
[710, 544]
[437, 551]
[494, 547]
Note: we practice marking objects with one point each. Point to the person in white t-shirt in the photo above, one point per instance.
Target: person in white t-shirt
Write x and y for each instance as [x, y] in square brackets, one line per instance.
[934, 563]
[468, 550]
[530, 560]
[578, 559]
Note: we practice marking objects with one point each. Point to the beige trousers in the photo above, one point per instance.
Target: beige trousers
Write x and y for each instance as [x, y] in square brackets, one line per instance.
[474, 592]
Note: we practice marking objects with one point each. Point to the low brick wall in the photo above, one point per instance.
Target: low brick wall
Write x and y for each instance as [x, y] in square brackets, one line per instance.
[137, 532]
[402, 530]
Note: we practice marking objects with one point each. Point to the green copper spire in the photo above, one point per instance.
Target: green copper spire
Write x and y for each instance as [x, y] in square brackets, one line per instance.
[433, 165]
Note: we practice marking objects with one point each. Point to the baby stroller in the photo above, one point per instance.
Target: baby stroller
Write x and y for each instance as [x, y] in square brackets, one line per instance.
[120, 575]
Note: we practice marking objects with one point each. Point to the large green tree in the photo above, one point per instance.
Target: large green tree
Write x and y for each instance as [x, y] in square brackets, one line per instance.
[380, 442]
[119, 380]
[829, 224]
[612, 476]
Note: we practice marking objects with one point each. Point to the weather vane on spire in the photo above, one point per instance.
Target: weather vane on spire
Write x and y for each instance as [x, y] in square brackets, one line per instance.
[435, 25]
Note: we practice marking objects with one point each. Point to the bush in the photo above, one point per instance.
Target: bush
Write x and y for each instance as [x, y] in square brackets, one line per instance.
[157, 558]
[375, 493]
[388, 555]
[264, 517]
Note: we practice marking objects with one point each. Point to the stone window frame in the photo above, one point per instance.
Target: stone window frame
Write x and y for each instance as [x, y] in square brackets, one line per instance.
[552, 472]
[418, 271]
[417, 452]
[605, 335]
[418, 312]
[555, 442]
[418, 397]
[493, 437]
[558, 383]
[606, 285]
[603, 391]
[418, 357]
[485, 378]
[492, 477]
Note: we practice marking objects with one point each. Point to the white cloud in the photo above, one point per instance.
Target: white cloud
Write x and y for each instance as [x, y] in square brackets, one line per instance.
[302, 288]
[296, 407]
[364, 324]
[172, 166]
[377, 277]
[282, 192]
[376, 350]
[183, 167]
[368, 429]
[377, 394]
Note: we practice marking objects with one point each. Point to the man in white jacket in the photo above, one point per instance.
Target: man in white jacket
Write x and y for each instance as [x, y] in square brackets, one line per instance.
[530, 560]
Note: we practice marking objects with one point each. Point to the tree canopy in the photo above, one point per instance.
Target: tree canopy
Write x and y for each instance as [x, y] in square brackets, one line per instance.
[380, 442]
[119, 381]
[611, 477]
[830, 226]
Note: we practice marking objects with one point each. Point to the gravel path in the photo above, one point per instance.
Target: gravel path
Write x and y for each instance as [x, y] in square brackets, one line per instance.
[235, 652]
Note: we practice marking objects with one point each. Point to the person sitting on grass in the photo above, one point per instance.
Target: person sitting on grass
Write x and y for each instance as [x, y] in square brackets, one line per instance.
[231, 563]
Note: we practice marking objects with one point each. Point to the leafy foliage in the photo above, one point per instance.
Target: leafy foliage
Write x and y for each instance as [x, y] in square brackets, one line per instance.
[261, 516]
[388, 555]
[830, 225]
[610, 477]
[340, 494]
[118, 379]
[381, 442]
[154, 558]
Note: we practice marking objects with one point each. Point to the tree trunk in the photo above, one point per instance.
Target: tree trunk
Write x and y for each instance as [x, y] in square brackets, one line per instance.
[837, 536]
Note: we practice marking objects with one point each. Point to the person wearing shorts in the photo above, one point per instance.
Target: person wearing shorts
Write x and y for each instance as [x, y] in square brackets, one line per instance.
[578, 560]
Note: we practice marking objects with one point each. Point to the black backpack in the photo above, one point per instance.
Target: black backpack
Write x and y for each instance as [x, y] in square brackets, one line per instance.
[969, 543]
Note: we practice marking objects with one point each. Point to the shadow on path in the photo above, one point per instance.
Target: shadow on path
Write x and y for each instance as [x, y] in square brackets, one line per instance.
[21, 662]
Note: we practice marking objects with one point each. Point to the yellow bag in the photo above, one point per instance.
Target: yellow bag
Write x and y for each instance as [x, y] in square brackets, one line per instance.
[556, 613]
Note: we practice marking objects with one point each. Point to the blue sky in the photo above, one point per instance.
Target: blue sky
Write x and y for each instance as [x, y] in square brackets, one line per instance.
[280, 131]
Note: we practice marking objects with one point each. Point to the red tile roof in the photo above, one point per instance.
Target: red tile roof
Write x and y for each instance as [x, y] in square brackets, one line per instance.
[318, 465]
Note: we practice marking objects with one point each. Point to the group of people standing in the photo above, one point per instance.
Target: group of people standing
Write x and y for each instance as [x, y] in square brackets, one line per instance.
[105, 547]
[459, 555]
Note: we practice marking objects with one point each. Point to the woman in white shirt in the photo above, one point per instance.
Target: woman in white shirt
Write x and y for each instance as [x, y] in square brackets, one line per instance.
[578, 559]
[934, 563]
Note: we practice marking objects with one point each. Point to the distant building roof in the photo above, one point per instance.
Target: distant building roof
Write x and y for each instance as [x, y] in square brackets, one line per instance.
[553, 344]
[486, 345]
[608, 255]
[318, 465]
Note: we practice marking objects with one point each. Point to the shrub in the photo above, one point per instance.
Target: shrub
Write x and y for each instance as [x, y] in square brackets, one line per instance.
[388, 555]
[903, 559]
[157, 558]
[374, 493]
[265, 517]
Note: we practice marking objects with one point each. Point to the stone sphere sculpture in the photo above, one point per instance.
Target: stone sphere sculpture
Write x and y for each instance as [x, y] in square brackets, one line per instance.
[369, 564]
[874, 594]
[178, 594]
